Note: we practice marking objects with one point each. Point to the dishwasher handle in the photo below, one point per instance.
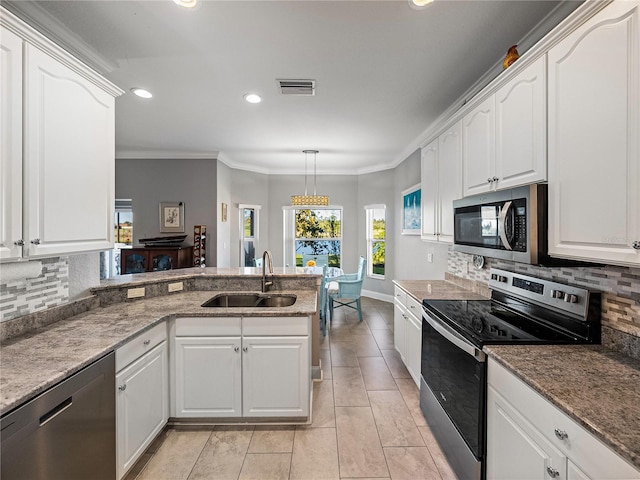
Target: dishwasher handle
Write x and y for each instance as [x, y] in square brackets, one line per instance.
[55, 411]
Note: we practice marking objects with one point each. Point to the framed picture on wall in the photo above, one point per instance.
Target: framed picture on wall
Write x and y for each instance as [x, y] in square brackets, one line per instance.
[171, 217]
[411, 211]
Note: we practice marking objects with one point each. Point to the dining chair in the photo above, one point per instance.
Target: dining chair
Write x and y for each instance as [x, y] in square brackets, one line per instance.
[345, 290]
[321, 260]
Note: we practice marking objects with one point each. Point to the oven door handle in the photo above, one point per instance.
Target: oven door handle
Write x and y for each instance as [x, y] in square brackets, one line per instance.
[454, 337]
[502, 225]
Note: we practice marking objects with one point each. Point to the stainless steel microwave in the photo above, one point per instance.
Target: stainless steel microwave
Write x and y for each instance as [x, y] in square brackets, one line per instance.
[508, 224]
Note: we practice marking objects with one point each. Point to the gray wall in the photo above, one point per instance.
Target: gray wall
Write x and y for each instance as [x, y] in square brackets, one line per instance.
[149, 182]
[223, 238]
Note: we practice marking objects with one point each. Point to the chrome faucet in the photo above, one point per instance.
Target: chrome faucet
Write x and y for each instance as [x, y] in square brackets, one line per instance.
[266, 255]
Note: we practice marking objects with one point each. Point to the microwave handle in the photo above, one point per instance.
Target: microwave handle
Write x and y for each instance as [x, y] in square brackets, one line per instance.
[502, 223]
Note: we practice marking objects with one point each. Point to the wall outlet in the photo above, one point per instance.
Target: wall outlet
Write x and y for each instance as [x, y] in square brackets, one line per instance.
[430, 257]
[135, 292]
[175, 287]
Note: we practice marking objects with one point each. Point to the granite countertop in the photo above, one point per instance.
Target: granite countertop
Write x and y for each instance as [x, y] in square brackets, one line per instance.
[38, 360]
[436, 290]
[598, 388]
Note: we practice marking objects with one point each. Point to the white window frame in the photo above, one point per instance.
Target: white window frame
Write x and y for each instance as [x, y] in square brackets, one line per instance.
[256, 234]
[289, 234]
[369, 209]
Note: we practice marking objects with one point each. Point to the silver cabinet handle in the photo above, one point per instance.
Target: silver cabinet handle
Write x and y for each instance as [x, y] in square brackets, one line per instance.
[636, 245]
[561, 434]
[122, 388]
[489, 180]
[236, 349]
[36, 241]
[146, 342]
[553, 473]
[19, 243]
[245, 349]
[495, 179]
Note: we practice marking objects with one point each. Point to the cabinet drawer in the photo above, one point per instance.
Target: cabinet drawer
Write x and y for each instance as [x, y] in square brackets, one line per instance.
[140, 345]
[400, 295]
[275, 326]
[414, 307]
[585, 450]
[208, 326]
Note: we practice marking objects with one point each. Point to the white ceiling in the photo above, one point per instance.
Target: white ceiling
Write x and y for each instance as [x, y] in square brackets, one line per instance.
[384, 72]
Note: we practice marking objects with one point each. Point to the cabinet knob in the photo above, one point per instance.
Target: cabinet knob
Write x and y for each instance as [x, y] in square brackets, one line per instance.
[36, 241]
[19, 243]
[236, 349]
[495, 179]
[489, 180]
[636, 245]
[122, 388]
[561, 434]
[146, 342]
[552, 472]
[245, 349]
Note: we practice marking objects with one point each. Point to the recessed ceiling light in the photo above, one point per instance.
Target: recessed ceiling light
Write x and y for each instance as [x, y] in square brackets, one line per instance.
[419, 4]
[252, 98]
[141, 92]
[186, 3]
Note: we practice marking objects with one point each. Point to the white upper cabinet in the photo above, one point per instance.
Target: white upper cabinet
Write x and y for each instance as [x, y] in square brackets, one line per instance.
[521, 155]
[441, 184]
[11, 145]
[58, 149]
[594, 139]
[504, 136]
[479, 148]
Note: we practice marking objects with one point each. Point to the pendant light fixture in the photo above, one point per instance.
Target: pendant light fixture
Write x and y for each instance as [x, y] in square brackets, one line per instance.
[310, 200]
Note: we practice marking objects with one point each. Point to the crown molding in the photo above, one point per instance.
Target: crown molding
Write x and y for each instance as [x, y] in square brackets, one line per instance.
[165, 155]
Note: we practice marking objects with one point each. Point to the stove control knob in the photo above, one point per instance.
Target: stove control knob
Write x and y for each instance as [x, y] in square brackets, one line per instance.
[570, 298]
[557, 294]
[502, 279]
[494, 276]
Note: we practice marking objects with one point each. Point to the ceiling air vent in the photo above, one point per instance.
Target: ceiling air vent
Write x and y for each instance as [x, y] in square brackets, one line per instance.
[297, 87]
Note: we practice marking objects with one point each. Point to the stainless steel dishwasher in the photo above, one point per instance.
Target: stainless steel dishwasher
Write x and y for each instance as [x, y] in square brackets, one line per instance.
[67, 432]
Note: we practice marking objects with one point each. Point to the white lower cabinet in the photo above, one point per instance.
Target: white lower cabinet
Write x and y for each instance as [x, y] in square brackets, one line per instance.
[142, 395]
[529, 438]
[242, 367]
[407, 332]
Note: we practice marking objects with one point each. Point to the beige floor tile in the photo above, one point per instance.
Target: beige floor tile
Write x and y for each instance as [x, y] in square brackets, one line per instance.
[323, 407]
[436, 453]
[365, 346]
[266, 466]
[411, 396]
[359, 450]
[376, 322]
[315, 455]
[411, 463]
[376, 374]
[393, 420]
[176, 456]
[223, 455]
[272, 439]
[360, 328]
[384, 339]
[348, 387]
[340, 333]
[343, 355]
[325, 356]
[395, 364]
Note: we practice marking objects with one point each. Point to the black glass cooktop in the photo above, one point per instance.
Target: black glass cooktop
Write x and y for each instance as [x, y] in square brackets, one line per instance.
[485, 322]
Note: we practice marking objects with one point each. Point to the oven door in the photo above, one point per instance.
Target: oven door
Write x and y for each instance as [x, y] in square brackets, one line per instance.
[455, 371]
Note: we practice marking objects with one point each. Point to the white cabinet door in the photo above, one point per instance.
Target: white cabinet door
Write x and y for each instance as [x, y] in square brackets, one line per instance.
[276, 373]
[594, 139]
[449, 179]
[208, 377]
[11, 145]
[516, 450]
[69, 160]
[142, 402]
[574, 473]
[521, 155]
[429, 186]
[413, 340]
[478, 151]
[399, 330]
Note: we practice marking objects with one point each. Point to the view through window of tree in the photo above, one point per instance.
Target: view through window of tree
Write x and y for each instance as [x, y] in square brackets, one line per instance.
[248, 234]
[376, 234]
[123, 228]
[318, 232]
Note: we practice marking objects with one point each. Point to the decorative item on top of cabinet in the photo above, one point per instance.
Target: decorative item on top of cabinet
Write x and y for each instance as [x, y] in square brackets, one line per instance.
[594, 139]
[58, 128]
[441, 184]
[199, 245]
[512, 56]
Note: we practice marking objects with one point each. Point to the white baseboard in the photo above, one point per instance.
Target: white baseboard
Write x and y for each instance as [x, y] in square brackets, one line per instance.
[378, 296]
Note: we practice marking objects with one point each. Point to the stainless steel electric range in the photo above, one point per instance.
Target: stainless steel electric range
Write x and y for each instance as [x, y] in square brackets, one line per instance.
[522, 310]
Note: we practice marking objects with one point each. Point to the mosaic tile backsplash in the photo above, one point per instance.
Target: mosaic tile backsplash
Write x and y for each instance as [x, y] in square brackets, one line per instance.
[22, 297]
[620, 287]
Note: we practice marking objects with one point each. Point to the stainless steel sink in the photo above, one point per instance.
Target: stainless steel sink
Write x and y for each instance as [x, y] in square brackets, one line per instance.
[257, 300]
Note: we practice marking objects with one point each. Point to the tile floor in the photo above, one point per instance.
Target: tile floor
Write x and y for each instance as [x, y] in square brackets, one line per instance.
[367, 422]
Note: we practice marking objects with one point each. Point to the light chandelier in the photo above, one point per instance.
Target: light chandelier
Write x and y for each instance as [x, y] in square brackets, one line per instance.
[311, 200]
